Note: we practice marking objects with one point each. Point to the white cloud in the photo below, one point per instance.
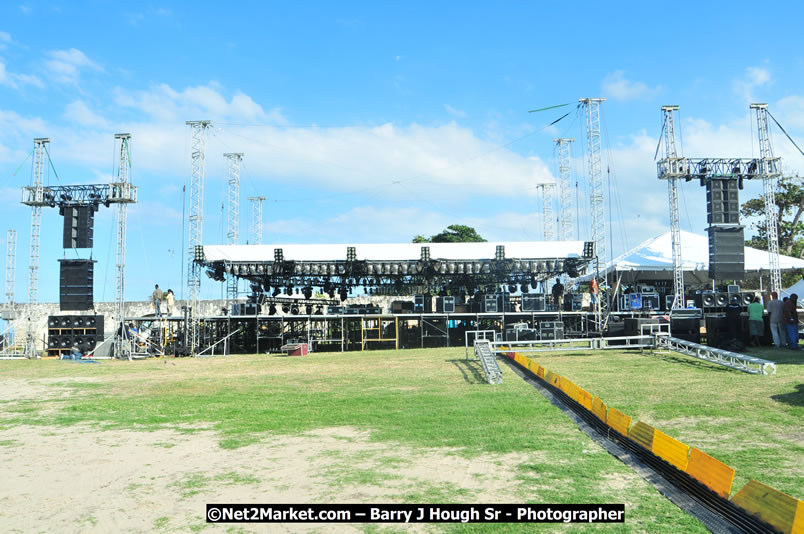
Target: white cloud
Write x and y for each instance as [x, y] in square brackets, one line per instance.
[5, 39]
[77, 111]
[24, 8]
[164, 103]
[755, 77]
[15, 81]
[618, 87]
[65, 66]
[459, 113]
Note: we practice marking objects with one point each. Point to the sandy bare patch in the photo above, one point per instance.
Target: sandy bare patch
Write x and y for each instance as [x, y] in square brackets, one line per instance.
[18, 389]
[81, 479]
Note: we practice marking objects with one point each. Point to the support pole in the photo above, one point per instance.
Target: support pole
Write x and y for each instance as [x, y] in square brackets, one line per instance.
[122, 349]
[256, 220]
[565, 189]
[233, 232]
[40, 152]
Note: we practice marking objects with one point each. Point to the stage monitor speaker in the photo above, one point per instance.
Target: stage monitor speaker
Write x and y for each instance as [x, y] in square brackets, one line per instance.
[634, 301]
[534, 302]
[504, 302]
[445, 304]
[490, 304]
[79, 224]
[75, 287]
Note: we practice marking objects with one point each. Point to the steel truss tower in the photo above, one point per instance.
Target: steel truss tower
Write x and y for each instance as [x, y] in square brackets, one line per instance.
[256, 220]
[11, 281]
[565, 188]
[547, 210]
[196, 223]
[40, 153]
[598, 212]
[769, 172]
[671, 154]
[11, 268]
[121, 349]
[233, 229]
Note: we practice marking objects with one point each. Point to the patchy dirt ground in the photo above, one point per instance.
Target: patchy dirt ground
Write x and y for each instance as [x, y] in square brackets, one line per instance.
[80, 479]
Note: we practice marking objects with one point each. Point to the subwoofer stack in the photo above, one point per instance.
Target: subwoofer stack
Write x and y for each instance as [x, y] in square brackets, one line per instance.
[66, 331]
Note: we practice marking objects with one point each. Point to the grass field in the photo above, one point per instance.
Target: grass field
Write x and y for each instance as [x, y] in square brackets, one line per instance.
[417, 404]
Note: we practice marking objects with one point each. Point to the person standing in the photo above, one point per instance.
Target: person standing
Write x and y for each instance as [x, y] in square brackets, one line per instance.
[776, 313]
[790, 314]
[157, 298]
[756, 324]
[170, 302]
[558, 293]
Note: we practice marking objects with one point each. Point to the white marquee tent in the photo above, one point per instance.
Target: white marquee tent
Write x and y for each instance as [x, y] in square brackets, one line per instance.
[653, 260]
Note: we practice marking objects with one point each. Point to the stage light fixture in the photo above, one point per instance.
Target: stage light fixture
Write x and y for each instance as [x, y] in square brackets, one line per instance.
[499, 253]
[308, 309]
[285, 308]
[277, 291]
[589, 249]
[294, 310]
[319, 310]
[272, 309]
[512, 288]
[289, 290]
[279, 256]
[344, 294]
[425, 255]
[351, 254]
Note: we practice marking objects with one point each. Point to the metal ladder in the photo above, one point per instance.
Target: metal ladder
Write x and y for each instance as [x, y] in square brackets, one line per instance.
[488, 361]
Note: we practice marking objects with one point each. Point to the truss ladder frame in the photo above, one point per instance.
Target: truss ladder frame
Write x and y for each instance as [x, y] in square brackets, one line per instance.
[565, 188]
[769, 172]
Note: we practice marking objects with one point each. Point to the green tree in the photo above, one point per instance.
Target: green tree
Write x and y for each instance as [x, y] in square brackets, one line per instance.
[455, 233]
[790, 209]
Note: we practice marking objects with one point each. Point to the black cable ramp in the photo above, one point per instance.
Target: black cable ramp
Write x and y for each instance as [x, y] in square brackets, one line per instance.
[716, 513]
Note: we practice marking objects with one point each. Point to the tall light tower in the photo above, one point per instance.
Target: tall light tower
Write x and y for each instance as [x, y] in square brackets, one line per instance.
[598, 212]
[233, 231]
[565, 188]
[40, 152]
[770, 172]
[256, 220]
[671, 154]
[196, 223]
[122, 186]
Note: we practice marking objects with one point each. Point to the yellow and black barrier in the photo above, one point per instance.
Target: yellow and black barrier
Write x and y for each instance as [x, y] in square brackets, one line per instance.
[777, 509]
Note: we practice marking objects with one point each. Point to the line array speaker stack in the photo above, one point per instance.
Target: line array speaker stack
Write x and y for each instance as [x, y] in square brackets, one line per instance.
[64, 331]
[726, 252]
[726, 236]
[79, 223]
[722, 202]
[75, 285]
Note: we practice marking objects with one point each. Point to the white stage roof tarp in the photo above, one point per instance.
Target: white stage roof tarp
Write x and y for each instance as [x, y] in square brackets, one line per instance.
[395, 251]
[657, 255]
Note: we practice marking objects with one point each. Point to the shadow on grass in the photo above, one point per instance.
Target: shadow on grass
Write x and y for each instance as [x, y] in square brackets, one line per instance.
[470, 369]
[794, 398]
[691, 361]
[782, 356]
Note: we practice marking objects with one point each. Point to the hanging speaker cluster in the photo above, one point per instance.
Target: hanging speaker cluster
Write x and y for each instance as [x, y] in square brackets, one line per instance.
[79, 226]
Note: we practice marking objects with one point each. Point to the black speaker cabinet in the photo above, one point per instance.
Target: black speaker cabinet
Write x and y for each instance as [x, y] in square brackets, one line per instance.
[79, 223]
[75, 287]
[533, 302]
[726, 252]
[722, 202]
[445, 304]
[650, 301]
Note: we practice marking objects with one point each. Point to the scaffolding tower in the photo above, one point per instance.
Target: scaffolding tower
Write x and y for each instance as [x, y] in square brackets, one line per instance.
[256, 220]
[768, 169]
[598, 213]
[671, 154]
[233, 228]
[196, 224]
[39, 154]
[565, 188]
[121, 349]
[11, 268]
[547, 210]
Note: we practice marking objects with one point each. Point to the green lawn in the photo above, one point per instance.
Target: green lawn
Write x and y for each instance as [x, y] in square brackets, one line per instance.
[434, 398]
[752, 423]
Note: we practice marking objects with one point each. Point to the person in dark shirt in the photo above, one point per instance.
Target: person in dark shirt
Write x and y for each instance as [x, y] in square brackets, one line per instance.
[558, 293]
[790, 317]
[733, 317]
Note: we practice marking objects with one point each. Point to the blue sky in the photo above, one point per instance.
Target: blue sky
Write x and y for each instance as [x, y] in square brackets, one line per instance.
[376, 121]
